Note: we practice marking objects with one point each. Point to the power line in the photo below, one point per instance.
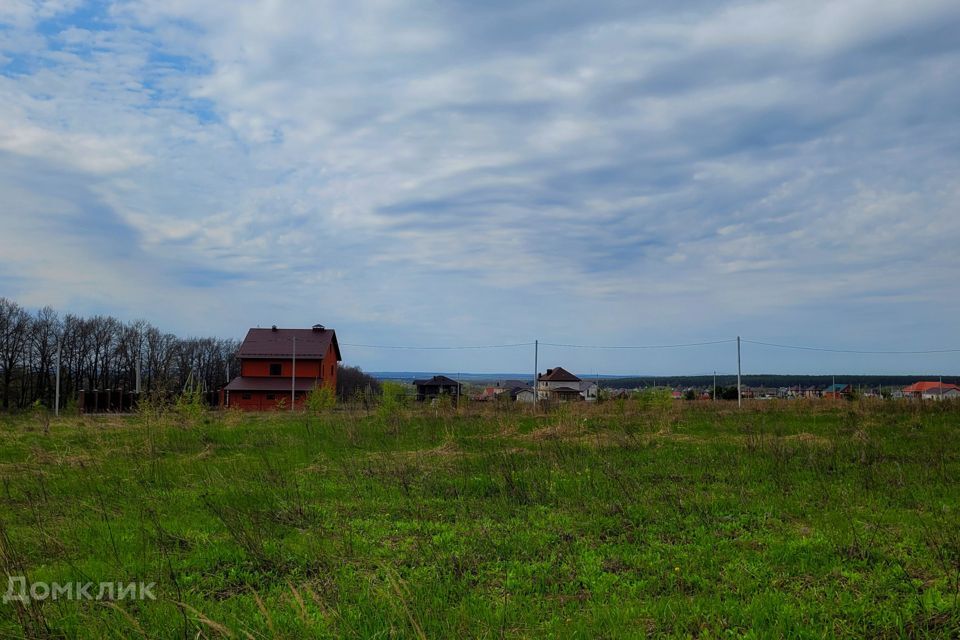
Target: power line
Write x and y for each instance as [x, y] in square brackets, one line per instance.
[648, 347]
[644, 346]
[856, 351]
[452, 348]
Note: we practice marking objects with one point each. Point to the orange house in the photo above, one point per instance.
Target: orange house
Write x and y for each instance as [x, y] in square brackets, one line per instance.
[267, 379]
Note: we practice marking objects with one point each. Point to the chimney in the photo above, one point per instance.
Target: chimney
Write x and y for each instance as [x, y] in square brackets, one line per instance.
[318, 328]
[273, 328]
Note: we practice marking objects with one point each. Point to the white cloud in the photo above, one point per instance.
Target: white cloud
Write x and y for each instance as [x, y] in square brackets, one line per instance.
[413, 161]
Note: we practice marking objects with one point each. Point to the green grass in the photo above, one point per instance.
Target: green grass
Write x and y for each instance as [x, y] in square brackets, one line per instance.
[803, 520]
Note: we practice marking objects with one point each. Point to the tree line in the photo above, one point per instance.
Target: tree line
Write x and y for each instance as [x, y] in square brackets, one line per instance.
[770, 380]
[101, 352]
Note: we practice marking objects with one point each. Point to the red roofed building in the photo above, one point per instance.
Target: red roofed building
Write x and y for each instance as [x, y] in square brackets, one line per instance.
[267, 379]
[932, 390]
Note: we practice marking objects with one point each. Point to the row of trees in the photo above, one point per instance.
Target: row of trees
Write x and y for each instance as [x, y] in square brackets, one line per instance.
[101, 352]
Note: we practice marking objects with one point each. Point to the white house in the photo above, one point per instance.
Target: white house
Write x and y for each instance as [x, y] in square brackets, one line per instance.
[589, 390]
[946, 392]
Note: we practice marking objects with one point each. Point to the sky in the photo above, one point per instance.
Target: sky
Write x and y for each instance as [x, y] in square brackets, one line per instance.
[485, 173]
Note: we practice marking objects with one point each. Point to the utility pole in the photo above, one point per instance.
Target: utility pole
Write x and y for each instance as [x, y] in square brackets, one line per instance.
[714, 385]
[56, 395]
[138, 372]
[293, 377]
[739, 397]
[458, 389]
[536, 369]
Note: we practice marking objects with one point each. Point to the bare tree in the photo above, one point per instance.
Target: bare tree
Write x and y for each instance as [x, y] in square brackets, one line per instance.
[14, 331]
[101, 353]
[159, 358]
[44, 336]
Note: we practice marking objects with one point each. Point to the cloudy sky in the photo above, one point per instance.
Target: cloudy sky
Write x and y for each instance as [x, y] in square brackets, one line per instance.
[465, 173]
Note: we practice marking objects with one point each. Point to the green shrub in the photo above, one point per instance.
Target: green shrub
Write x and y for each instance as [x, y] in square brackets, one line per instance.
[392, 401]
[189, 405]
[320, 399]
[657, 397]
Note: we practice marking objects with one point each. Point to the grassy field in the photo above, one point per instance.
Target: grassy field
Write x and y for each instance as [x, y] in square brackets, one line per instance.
[621, 520]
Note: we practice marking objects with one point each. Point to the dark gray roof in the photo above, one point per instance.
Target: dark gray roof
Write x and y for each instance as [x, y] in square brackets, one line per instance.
[435, 381]
[278, 343]
[512, 384]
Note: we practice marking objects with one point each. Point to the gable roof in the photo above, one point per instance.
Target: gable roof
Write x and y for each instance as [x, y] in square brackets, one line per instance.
[921, 387]
[278, 343]
[837, 388]
[511, 384]
[558, 374]
[435, 381]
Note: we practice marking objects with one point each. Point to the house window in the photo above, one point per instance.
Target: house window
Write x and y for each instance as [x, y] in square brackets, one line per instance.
[270, 396]
[275, 368]
[245, 396]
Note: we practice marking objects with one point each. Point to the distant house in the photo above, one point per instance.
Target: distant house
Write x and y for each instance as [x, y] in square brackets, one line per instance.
[837, 391]
[435, 387]
[559, 384]
[932, 391]
[267, 378]
[504, 389]
[589, 390]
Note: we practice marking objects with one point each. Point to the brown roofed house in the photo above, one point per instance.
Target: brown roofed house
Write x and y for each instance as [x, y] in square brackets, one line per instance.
[267, 379]
[558, 384]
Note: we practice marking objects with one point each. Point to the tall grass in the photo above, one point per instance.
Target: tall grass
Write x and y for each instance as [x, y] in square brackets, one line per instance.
[641, 517]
